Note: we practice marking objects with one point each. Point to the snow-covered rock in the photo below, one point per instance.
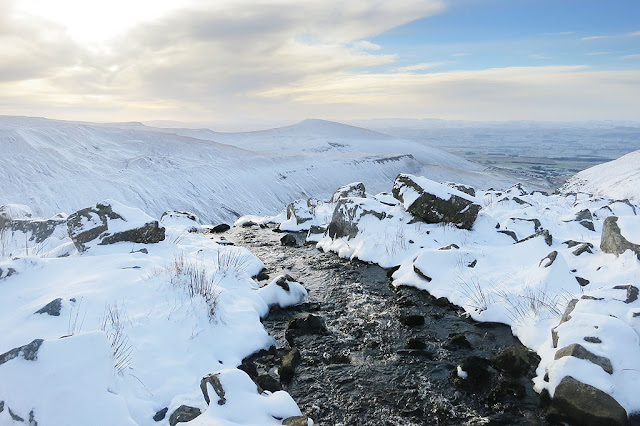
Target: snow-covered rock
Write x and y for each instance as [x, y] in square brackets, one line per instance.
[355, 189]
[620, 235]
[432, 202]
[110, 222]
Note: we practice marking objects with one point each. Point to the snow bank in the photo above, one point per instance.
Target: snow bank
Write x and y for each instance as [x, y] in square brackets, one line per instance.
[129, 329]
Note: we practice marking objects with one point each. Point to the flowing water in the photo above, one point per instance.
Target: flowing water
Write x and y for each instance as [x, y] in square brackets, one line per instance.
[376, 364]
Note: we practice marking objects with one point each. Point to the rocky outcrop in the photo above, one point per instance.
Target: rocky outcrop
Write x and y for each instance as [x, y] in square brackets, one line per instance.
[577, 403]
[108, 226]
[613, 241]
[432, 202]
[355, 189]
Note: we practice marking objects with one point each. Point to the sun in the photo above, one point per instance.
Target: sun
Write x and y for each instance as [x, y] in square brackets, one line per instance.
[97, 22]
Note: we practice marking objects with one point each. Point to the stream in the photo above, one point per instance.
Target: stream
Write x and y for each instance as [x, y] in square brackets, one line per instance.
[388, 356]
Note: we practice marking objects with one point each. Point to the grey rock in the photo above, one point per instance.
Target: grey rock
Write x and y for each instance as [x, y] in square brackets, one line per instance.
[588, 224]
[578, 351]
[29, 352]
[214, 381]
[583, 248]
[223, 227]
[548, 259]
[148, 233]
[516, 360]
[346, 216]
[469, 190]
[509, 233]
[582, 281]
[577, 403]
[632, 292]
[161, 414]
[91, 223]
[288, 240]
[304, 324]
[179, 214]
[183, 414]
[52, 308]
[355, 189]
[301, 210]
[296, 421]
[592, 339]
[544, 233]
[565, 317]
[584, 215]
[289, 363]
[612, 240]
[267, 382]
[429, 208]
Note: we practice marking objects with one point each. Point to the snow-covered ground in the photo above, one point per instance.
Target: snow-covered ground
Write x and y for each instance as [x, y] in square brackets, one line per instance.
[63, 166]
[120, 331]
[527, 257]
[616, 179]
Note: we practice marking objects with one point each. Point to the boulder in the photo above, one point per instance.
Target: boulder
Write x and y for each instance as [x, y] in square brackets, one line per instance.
[432, 202]
[613, 241]
[223, 227]
[289, 363]
[288, 240]
[304, 324]
[355, 189]
[184, 414]
[516, 360]
[578, 351]
[577, 403]
[348, 213]
[110, 222]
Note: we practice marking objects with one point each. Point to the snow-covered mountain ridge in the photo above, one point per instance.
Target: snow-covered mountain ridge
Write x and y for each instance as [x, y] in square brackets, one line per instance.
[619, 178]
[62, 166]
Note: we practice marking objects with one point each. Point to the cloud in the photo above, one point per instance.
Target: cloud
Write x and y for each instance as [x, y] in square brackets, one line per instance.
[208, 57]
[366, 45]
[536, 93]
[625, 35]
[420, 67]
[633, 56]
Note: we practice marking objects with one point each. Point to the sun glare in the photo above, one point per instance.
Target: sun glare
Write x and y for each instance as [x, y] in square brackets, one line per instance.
[92, 22]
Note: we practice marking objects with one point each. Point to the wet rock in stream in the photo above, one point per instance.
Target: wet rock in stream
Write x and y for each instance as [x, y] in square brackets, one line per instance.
[349, 359]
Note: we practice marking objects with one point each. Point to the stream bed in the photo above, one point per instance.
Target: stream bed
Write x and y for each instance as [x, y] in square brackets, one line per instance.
[383, 356]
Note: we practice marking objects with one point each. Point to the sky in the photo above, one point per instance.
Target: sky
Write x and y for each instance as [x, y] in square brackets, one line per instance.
[227, 61]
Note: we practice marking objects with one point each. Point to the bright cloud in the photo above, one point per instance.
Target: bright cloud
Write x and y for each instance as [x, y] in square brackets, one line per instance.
[232, 59]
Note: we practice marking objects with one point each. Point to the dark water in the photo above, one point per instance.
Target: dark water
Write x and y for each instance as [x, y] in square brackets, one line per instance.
[362, 371]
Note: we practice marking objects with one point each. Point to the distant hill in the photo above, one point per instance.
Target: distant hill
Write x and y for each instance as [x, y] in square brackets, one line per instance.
[54, 165]
[617, 179]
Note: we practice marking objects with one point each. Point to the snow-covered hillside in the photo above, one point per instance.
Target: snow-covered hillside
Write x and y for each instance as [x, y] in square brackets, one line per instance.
[615, 179]
[62, 166]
